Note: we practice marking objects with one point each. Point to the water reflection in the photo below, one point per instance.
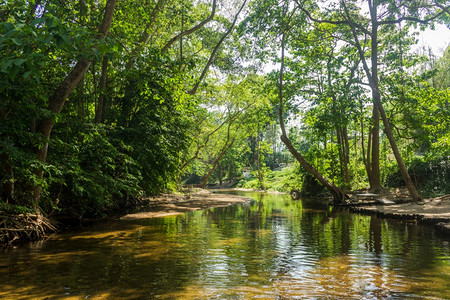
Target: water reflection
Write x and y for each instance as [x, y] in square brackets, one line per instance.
[273, 247]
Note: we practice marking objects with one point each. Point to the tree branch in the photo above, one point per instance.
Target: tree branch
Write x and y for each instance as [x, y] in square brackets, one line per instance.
[415, 19]
[358, 45]
[339, 22]
[191, 30]
[213, 53]
[145, 35]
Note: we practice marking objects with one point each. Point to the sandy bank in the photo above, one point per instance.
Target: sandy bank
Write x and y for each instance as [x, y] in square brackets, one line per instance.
[432, 211]
[175, 204]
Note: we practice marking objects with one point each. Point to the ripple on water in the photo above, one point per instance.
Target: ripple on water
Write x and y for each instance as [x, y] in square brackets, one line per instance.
[272, 248]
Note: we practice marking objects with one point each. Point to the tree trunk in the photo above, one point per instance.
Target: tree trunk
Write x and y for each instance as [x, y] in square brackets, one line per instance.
[339, 196]
[258, 162]
[57, 100]
[100, 111]
[340, 151]
[346, 156]
[372, 75]
[220, 175]
[344, 159]
[8, 186]
[366, 159]
[375, 178]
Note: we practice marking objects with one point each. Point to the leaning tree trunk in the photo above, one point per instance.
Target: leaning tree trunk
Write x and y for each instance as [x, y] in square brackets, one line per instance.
[377, 102]
[59, 97]
[338, 195]
[401, 165]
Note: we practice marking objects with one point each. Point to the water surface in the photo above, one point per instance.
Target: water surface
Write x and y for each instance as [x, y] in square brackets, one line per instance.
[272, 248]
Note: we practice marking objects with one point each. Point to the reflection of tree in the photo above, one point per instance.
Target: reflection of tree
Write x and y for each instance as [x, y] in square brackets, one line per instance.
[272, 247]
[375, 236]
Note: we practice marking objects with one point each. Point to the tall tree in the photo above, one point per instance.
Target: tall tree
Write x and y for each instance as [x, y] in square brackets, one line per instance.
[394, 12]
[62, 92]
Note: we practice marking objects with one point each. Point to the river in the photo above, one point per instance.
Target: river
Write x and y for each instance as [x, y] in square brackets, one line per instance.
[273, 248]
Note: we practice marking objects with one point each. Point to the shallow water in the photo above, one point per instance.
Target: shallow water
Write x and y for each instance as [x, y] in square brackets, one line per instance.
[272, 248]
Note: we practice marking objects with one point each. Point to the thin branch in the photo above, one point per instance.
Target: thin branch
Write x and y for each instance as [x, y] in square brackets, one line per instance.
[213, 53]
[414, 19]
[445, 10]
[358, 46]
[339, 22]
[145, 35]
[191, 30]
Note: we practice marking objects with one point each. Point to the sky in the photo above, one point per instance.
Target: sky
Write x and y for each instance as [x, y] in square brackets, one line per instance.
[438, 39]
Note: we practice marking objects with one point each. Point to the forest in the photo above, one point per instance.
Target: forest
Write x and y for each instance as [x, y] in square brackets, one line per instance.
[105, 102]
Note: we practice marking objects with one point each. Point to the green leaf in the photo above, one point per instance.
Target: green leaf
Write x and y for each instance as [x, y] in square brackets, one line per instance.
[12, 73]
[20, 61]
[10, 33]
[17, 41]
[6, 65]
[8, 26]
[37, 21]
[66, 39]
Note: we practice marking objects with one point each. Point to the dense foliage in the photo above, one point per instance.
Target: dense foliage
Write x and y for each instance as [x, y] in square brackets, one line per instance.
[102, 102]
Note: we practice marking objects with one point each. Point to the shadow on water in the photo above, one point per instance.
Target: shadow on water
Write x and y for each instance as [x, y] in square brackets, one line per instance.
[273, 247]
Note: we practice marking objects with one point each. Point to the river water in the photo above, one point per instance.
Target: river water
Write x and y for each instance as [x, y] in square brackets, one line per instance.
[271, 248]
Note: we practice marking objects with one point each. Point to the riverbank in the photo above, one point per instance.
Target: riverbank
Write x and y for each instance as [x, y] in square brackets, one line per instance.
[190, 200]
[434, 211]
[29, 227]
[24, 227]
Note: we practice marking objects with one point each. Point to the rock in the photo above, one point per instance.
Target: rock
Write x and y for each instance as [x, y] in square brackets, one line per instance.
[384, 201]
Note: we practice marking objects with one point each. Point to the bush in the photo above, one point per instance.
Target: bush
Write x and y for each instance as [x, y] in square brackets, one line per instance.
[97, 173]
[431, 176]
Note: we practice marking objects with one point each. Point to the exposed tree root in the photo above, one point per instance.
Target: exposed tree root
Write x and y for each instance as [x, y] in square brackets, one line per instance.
[24, 227]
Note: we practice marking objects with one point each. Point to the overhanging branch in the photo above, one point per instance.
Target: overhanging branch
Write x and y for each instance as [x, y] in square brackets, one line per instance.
[213, 53]
[191, 30]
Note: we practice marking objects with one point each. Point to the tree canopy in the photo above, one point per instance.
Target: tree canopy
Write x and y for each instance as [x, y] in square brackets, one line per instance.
[102, 102]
